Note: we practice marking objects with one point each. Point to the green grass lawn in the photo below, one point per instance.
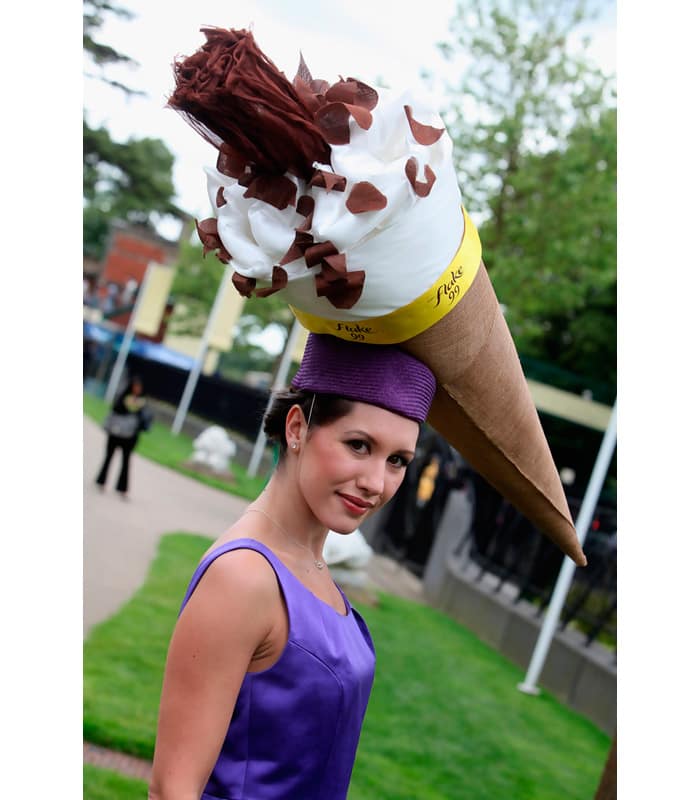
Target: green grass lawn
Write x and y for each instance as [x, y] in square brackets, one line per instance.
[172, 450]
[103, 784]
[445, 720]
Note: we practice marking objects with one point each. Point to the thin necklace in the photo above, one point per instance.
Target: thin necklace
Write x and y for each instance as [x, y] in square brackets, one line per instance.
[318, 563]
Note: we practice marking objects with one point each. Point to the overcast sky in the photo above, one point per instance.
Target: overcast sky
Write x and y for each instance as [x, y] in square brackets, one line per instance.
[366, 39]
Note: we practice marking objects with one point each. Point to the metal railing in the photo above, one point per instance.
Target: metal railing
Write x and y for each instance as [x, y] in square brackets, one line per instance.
[502, 548]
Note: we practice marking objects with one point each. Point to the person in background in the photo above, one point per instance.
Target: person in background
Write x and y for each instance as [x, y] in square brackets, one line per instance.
[128, 417]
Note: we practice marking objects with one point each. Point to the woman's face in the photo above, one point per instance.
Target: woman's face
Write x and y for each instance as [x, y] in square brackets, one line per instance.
[349, 468]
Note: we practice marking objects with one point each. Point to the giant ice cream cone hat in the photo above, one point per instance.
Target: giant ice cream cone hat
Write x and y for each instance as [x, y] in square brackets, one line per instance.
[345, 200]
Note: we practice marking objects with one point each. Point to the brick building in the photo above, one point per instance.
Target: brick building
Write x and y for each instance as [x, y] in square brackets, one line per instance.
[115, 281]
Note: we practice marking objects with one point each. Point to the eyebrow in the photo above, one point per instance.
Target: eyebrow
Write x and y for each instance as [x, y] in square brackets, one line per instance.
[372, 440]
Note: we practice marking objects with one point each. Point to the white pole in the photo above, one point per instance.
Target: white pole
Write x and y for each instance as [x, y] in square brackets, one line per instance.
[279, 381]
[193, 377]
[116, 375]
[566, 573]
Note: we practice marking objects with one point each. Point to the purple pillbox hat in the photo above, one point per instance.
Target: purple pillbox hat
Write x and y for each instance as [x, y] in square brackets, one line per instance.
[382, 375]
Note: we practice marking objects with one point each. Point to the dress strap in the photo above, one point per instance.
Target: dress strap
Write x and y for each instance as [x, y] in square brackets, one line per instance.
[227, 547]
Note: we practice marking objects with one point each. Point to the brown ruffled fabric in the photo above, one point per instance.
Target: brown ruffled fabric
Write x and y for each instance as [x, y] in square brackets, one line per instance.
[230, 162]
[421, 188]
[244, 286]
[209, 236]
[232, 94]
[263, 125]
[311, 92]
[302, 241]
[305, 207]
[328, 180]
[315, 254]
[342, 289]
[353, 93]
[345, 99]
[423, 134]
[364, 196]
[279, 281]
[277, 190]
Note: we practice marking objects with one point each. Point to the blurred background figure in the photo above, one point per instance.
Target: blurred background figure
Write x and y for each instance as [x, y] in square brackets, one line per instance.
[128, 417]
[128, 295]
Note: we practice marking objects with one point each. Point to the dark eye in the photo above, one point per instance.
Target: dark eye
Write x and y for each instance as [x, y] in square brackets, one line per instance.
[398, 461]
[358, 445]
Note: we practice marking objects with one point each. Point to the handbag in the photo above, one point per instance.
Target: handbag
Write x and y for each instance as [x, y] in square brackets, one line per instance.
[123, 425]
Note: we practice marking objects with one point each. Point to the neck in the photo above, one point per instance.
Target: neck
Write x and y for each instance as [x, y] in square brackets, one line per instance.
[283, 502]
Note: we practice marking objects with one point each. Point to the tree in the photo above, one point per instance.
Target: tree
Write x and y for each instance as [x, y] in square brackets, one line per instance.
[99, 53]
[554, 252]
[129, 180]
[535, 145]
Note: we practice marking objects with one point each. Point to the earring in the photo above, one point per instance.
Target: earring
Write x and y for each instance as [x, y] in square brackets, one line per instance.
[294, 445]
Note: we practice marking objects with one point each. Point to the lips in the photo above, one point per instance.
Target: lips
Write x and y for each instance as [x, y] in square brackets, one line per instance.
[355, 505]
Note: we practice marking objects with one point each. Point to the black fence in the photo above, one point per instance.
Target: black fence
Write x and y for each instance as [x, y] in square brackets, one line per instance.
[216, 399]
[522, 563]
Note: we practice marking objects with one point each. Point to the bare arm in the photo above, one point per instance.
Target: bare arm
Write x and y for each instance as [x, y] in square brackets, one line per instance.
[229, 617]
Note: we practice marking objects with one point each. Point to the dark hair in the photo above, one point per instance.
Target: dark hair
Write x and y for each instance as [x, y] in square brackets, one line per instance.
[126, 389]
[327, 408]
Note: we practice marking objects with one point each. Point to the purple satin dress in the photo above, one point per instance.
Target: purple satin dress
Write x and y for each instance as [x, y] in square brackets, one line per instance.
[295, 726]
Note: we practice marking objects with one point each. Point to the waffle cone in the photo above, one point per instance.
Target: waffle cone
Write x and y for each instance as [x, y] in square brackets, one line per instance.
[483, 407]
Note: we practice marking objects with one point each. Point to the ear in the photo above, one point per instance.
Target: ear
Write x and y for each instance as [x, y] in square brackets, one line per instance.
[295, 426]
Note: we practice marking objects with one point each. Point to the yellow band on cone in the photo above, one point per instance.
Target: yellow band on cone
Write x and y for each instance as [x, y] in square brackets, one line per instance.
[418, 315]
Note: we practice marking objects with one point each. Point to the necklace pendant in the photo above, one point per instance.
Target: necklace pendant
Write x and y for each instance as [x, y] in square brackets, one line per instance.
[318, 563]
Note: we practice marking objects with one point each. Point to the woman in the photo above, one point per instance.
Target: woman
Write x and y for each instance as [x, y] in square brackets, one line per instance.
[269, 669]
[123, 426]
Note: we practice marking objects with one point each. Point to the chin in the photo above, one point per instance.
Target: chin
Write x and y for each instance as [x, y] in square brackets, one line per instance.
[342, 523]
[345, 529]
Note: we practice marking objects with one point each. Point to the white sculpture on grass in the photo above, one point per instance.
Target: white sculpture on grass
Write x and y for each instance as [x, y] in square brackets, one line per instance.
[347, 556]
[214, 449]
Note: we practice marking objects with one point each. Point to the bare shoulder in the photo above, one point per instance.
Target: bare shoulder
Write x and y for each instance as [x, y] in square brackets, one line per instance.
[241, 573]
[234, 609]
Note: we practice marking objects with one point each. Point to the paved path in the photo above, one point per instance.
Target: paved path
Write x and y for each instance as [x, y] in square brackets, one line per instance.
[120, 536]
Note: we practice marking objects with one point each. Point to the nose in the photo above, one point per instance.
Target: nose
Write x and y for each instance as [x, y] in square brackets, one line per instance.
[371, 478]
